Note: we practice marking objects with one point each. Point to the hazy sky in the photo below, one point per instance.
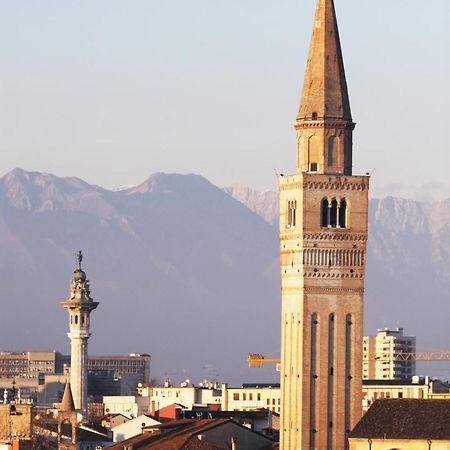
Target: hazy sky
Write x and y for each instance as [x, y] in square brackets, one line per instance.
[112, 91]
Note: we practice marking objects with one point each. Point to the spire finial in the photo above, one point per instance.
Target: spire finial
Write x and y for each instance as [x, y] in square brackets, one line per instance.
[79, 257]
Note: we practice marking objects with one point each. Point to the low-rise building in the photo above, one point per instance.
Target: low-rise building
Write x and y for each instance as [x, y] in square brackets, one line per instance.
[403, 424]
[413, 388]
[251, 396]
[129, 405]
[187, 395]
[207, 434]
[248, 397]
[132, 427]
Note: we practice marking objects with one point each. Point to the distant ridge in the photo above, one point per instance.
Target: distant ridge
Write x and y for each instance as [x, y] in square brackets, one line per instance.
[189, 274]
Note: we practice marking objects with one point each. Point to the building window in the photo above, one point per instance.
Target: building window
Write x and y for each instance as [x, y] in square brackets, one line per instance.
[250, 396]
[292, 214]
[259, 397]
[235, 396]
[244, 396]
[334, 213]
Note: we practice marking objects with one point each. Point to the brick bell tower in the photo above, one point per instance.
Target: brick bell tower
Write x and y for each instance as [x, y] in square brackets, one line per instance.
[79, 305]
[323, 234]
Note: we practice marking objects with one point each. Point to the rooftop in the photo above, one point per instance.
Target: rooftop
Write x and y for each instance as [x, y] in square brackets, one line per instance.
[405, 419]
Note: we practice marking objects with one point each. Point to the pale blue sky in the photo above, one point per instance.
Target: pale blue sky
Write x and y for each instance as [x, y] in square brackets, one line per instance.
[112, 91]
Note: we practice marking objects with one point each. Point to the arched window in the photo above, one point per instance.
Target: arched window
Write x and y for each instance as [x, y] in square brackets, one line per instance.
[291, 214]
[76, 319]
[343, 214]
[324, 213]
[333, 213]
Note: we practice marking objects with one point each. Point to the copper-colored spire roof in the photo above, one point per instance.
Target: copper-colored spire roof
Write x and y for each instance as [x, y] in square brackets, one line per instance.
[325, 92]
[67, 403]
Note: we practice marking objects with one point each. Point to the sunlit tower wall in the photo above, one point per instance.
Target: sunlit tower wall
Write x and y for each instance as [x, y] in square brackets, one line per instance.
[323, 234]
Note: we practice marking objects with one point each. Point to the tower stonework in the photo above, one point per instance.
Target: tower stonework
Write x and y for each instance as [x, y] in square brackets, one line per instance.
[79, 306]
[323, 234]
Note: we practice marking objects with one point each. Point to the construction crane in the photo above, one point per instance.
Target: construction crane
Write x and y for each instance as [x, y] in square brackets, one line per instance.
[256, 360]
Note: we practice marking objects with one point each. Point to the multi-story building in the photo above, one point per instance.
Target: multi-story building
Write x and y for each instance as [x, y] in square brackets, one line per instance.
[136, 363]
[415, 387]
[28, 365]
[248, 397]
[252, 396]
[186, 395]
[130, 406]
[380, 355]
[31, 370]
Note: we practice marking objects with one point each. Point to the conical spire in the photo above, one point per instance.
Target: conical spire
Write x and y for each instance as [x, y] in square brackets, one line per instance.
[324, 121]
[325, 94]
[67, 404]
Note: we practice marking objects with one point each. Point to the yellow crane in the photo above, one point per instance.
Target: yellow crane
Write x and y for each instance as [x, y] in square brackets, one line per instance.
[256, 360]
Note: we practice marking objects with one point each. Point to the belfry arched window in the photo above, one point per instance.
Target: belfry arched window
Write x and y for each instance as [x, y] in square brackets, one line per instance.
[334, 213]
[324, 211]
[342, 222]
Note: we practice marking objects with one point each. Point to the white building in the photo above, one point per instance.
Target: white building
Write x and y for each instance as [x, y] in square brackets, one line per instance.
[380, 355]
[128, 405]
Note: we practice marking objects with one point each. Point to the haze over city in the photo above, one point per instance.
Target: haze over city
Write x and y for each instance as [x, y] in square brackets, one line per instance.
[125, 89]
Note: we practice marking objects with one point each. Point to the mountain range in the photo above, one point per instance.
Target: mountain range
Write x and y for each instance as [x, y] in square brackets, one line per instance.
[188, 272]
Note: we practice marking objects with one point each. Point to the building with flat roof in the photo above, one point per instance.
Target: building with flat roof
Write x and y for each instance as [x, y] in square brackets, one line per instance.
[31, 369]
[380, 361]
[28, 365]
[135, 363]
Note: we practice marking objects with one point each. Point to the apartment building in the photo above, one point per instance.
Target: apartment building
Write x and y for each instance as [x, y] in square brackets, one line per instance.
[380, 355]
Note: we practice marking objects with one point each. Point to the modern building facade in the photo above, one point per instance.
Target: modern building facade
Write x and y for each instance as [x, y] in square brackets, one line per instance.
[79, 305]
[323, 233]
[28, 365]
[134, 364]
[380, 361]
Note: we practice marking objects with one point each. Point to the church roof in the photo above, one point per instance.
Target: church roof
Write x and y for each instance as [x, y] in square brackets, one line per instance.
[405, 419]
[325, 87]
[67, 403]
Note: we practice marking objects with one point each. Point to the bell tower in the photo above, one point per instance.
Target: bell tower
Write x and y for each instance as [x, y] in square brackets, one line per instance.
[323, 234]
[79, 305]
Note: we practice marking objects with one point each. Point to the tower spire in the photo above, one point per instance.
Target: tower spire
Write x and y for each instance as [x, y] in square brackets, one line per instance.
[324, 121]
[79, 305]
